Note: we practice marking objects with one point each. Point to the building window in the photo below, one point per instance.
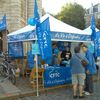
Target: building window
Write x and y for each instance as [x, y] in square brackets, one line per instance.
[95, 9]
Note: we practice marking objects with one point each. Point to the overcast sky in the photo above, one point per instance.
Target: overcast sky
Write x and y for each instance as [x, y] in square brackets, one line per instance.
[54, 6]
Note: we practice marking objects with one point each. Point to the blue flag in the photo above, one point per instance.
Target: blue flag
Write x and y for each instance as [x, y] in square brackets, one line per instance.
[3, 23]
[43, 35]
[36, 13]
[97, 44]
[93, 26]
[46, 38]
[4, 19]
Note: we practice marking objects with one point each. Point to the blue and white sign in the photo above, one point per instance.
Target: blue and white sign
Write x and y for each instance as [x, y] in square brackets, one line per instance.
[30, 35]
[70, 36]
[16, 49]
[35, 48]
[57, 76]
[54, 35]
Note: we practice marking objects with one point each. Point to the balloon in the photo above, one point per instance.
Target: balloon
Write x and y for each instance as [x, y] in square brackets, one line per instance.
[31, 21]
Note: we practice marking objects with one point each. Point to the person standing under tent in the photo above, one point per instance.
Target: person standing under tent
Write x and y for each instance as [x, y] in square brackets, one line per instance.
[78, 73]
[65, 57]
[90, 70]
[55, 52]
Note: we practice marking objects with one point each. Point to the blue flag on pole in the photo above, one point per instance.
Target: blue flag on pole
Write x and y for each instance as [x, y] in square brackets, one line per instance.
[46, 37]
[36, 13]
[97, 44]
[3, 23]
[93, 26]
[43, 35]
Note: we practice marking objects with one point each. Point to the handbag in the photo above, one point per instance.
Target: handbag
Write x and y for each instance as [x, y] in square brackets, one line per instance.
[83, 62]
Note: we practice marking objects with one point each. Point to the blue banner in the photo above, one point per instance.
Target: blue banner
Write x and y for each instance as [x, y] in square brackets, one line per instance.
[30, 57]
[93, 26]
[57, 76]
[16, 49]
[70, 36]
[97, 44]
[46, 38]
[58, 36]
[3, 23]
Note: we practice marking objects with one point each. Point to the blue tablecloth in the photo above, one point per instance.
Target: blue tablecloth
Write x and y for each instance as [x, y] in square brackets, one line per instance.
[57, 76]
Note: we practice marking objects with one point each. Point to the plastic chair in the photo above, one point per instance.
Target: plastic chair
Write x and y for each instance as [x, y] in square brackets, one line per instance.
[33, 77]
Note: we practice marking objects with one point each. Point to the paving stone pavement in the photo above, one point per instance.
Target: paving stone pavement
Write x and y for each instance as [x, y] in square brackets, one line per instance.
[56, 94]
[64, 94]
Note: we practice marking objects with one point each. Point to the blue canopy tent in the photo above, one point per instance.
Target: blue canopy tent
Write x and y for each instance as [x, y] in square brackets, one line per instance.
[59, 32]
[3, 24]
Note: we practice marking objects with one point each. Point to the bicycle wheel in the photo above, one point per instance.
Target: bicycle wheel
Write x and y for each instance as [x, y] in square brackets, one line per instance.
[12, 78]
[1, 70]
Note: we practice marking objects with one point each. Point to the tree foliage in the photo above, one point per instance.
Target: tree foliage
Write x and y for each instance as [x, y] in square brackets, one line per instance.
[98, 24]
[72, 14]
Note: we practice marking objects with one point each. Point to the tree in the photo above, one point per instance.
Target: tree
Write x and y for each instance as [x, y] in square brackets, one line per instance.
[98, 24]
[72, 14]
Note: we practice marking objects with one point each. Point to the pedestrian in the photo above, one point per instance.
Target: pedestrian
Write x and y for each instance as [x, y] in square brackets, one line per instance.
[78, 72]
[90, 70]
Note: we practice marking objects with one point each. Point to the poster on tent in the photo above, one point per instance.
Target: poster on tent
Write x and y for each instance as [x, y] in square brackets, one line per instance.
[97, 45]
[15, 49]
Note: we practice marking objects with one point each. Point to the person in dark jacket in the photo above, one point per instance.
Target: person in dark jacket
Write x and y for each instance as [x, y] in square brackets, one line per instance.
[78, 72]
[90, 70]
[65, 56]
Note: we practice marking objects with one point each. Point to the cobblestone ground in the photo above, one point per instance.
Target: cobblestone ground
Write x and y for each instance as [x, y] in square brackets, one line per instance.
[64, 94]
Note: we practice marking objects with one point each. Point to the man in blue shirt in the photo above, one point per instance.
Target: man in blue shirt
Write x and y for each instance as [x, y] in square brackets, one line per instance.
[90, 70]
[55, 52]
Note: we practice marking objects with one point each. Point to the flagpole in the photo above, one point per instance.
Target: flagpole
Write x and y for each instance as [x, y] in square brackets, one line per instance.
[37, 81]
[36, 21]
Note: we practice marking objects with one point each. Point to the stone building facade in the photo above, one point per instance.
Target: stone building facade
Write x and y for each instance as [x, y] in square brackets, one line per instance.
[17, 12]
[93, 10]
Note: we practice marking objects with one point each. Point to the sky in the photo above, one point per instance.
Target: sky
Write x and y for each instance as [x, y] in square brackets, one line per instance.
[54, 6]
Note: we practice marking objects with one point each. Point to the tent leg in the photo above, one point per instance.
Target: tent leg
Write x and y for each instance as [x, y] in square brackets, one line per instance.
[37, 87]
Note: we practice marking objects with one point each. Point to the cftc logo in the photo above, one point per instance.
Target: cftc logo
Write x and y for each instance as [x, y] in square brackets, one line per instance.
[54, 74]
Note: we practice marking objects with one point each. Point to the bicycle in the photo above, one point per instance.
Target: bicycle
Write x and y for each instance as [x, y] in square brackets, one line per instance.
[7, 70]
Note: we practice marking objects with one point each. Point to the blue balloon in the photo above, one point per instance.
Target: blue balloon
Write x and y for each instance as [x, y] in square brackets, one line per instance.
[31, 21]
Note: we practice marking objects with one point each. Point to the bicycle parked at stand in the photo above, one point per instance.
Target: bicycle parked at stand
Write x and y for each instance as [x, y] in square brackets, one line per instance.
[7, 70]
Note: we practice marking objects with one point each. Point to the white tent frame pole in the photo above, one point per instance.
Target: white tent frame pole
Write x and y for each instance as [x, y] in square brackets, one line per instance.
[37, 81]
[37, 87]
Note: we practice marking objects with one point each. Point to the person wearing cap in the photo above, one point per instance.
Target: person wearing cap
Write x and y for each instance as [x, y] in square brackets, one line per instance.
[90, 70]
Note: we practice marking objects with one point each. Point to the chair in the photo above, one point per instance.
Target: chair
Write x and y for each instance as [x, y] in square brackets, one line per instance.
[27, 69]
[33, 77]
